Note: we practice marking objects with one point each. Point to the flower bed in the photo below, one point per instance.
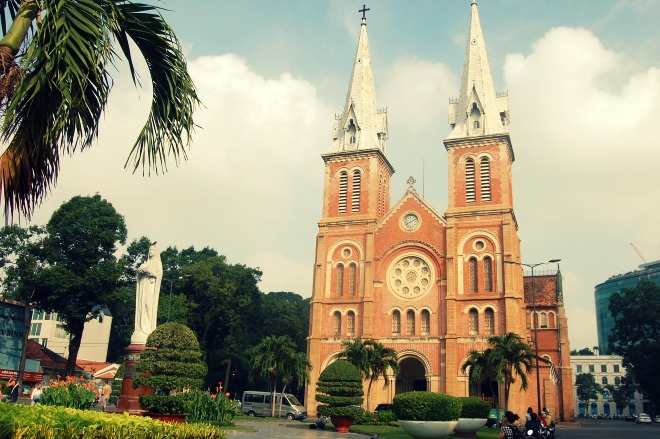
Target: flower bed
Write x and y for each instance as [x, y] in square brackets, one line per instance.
[28, 422]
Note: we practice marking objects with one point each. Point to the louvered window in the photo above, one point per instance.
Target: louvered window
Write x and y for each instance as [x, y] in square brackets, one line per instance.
[473, 275]
[488, 274]
[484, 179]
[426, 322]
[352, 275]
[355, 194]
[410, 317]
[396, 323]
[337, 324]
[340, 280]
[544, 320]
[470, 196]
[474, 322]
[490, 322]
[343, 191]
[350, 323]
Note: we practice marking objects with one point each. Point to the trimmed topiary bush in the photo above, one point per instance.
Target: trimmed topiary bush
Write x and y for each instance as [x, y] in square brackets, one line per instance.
[175, 366]
[339, 390]
[426, 406]
[474, 408]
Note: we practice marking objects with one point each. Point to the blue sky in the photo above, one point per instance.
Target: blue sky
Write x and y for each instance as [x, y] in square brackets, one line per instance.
[584, 87]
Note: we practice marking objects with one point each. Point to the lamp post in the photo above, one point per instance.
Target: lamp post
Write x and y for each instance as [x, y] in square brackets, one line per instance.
[169, 303]
[536, 332]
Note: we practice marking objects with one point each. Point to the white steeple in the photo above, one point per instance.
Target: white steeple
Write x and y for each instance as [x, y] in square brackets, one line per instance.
[361, 126]
[479, 110]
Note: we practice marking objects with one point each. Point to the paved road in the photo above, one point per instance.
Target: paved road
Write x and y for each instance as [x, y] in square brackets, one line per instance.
[605, 429]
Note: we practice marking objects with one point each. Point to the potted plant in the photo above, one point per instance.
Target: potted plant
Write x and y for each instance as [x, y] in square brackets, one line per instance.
[427, 414]
[339, 390]
[172, 367]
[474, 414]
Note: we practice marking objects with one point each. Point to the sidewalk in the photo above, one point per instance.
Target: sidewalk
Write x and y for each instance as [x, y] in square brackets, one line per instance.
[284, 430]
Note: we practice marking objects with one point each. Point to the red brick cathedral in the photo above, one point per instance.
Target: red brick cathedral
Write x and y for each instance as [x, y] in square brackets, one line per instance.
[431, 286]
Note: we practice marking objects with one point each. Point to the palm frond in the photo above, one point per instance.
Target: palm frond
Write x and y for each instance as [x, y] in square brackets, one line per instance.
[170, 124]
[8, 9]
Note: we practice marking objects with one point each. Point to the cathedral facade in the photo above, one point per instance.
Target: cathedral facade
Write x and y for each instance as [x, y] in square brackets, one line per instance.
[432, 286]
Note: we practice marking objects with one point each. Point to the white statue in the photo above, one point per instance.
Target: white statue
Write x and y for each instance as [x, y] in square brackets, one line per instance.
[149, 276]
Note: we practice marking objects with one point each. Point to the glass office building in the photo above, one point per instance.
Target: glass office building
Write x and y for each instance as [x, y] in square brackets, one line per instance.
[604, 320]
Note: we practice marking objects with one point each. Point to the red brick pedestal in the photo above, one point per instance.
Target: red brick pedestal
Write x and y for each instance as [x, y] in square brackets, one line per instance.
[128, 401]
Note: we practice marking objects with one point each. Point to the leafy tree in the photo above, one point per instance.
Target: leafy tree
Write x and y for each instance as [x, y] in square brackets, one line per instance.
[583, 351]
[21, 258]
[273, 358]
[511, 357]
[82, 271]
[297, 369]
[587, 388]
[286, 313]
[635, 336]
[480, 369]
[371, 358]
[620, 393]
[54, 91]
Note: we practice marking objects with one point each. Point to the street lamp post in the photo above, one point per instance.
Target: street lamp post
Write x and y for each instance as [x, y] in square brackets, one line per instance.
[534, 322]
[169, 302]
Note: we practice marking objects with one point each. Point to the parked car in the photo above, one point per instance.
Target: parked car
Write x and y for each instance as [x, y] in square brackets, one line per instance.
[383, 407]
[643, 418]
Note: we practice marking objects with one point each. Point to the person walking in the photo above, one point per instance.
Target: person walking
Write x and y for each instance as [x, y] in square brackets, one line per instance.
[35, 395]
[106, 391]
[15, 389]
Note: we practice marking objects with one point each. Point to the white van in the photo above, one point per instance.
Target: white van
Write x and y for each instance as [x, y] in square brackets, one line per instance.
[259, 404]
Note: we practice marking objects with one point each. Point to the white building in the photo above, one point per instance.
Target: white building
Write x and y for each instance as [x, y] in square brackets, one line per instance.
[606, 369]
[48, 329]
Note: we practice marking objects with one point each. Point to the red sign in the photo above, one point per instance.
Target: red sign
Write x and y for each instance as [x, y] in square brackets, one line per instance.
[32, 377]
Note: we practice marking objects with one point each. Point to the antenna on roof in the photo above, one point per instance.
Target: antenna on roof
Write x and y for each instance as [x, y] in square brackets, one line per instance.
[638, 253]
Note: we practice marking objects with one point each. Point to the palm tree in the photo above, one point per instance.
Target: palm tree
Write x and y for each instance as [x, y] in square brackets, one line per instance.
[371, 358]
[55, 62]
[272, 359]
[297, 369]
[510, 356]
[480, 369]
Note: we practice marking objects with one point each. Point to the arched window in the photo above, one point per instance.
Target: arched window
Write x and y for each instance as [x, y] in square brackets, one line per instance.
[473, 321]
[617, 380]
[488, 274]
[343, 191]
[484, 178]
[543, 320]
[410, 322]
[551, 320]
[473, 275]
[350, 323]
[476, 124]
[396, 322]
[604, 380]
[340, 280]
[490, 321]
[470, 196]
[352, 274]
[426, 322]
[355, 193]
[337, 323]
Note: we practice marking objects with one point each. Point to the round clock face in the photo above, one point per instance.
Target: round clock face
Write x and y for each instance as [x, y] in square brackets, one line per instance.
[410, 276]
[410, 221]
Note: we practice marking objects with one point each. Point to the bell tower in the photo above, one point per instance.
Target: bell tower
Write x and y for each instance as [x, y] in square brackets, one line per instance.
[484, 295]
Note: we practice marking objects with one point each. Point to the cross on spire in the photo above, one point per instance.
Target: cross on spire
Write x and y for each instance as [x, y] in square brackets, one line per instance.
[364, 11]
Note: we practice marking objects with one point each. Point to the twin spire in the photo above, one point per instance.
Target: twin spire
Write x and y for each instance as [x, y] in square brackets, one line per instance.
[478, 111]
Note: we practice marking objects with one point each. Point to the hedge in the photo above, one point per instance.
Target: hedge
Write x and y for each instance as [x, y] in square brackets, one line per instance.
[427, 406]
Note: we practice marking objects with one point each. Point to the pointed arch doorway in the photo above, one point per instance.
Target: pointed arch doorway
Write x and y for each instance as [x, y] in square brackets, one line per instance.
[412, 376]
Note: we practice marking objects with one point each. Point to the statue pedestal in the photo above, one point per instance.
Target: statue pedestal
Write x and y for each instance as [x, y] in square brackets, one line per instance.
[129, 399]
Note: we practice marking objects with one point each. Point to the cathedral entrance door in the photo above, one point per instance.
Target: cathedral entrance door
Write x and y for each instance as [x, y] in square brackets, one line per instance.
[411, 377]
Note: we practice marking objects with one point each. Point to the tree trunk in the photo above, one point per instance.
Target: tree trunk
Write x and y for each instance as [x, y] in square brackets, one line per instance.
[272, 401]
[369, 391]
[279, 413]
[27, 325]
[74, 347]
[226, 383]
[20, 26]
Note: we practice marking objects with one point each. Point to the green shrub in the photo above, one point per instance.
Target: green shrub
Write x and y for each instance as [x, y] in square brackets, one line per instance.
[37, 422]
[339, 390]
[363, 417]
[474, 408]
[426, 406]
[204, 407]
[385, 417]
[175, 366]
[116, 385]
[72, 392]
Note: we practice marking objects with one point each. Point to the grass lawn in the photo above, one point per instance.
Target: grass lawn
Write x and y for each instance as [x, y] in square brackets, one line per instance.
[383, 431]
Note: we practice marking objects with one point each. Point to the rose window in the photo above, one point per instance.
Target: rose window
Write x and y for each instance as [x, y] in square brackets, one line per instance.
[410, 276]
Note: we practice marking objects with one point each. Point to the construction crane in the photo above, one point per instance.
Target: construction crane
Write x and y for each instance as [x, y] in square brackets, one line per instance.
[640, 255]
